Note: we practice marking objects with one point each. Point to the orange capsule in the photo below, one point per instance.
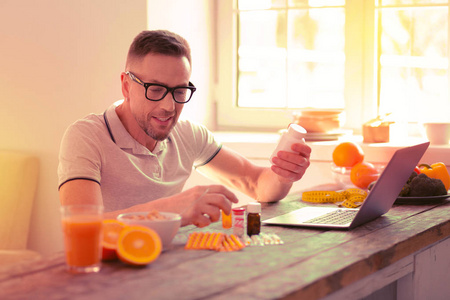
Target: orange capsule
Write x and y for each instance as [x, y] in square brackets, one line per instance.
[205, 237]
[191, 240]
[210, 240]
[217, 241]
[237, 241]
[197, 240]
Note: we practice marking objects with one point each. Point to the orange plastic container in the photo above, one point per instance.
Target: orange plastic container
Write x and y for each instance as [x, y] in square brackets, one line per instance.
[226, 220]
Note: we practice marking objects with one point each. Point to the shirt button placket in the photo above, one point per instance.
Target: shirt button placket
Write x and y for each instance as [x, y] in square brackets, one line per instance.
[157, 173]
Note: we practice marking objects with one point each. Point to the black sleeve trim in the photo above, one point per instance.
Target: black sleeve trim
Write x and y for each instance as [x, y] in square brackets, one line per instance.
[209, 159]
[108, 127]
[76, 179]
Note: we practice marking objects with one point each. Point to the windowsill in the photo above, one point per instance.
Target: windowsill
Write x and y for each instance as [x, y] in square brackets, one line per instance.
[257, 145]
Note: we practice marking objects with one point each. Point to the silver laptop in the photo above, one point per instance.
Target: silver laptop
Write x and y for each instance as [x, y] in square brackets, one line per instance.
[380, 199]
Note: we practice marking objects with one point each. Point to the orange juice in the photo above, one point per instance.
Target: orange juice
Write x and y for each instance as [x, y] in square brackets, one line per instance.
[82, 238]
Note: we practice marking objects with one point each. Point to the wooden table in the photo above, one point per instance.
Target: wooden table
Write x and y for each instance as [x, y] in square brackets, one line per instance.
[404, 253]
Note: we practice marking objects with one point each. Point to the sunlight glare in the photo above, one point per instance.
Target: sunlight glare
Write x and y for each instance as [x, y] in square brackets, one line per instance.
[322, 3]
[254, 4]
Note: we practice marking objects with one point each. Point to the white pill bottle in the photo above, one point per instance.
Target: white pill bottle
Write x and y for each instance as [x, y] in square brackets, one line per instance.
[294, 134]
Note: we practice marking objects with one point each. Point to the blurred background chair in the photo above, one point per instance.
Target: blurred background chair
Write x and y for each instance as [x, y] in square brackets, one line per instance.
[18, 183]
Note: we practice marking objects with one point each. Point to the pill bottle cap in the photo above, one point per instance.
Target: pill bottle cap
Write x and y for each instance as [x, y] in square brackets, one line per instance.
[296, 131]
[254, 207]
[238, 211]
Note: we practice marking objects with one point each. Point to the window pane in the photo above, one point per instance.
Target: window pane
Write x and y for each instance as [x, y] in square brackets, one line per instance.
[292, 54]
[262, 59]
[301, 66]
[316, 59]
[414, 64]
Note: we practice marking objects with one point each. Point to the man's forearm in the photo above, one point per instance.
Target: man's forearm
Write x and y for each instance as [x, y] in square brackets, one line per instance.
[271, 187]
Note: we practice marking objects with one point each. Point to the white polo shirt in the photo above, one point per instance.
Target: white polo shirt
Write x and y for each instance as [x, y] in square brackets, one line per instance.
[99, 148]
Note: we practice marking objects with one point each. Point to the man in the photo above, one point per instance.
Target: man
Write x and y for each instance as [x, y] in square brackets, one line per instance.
[136, 156]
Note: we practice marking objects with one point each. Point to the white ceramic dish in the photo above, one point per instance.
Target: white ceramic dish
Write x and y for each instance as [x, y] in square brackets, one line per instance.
[166, 228]
[319, 120]
[327, 136]
[438, 133]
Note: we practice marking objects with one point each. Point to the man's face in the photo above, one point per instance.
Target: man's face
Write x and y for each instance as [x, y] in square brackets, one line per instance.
[157, 118]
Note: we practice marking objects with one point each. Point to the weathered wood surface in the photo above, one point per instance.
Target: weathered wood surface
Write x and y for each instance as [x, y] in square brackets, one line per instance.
[311, 264]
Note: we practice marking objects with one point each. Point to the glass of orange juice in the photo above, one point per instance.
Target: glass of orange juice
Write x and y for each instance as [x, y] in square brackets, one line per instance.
[82, 229]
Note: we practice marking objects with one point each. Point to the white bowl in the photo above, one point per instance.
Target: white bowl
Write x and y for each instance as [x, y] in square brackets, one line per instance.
[166, 228]
[341, 175]
[438, 133]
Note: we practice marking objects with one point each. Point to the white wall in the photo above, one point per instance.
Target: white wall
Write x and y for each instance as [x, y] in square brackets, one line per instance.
[61, 60]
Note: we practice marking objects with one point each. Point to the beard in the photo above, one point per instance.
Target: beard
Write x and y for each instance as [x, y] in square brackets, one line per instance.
[157, 136]
[154, 133]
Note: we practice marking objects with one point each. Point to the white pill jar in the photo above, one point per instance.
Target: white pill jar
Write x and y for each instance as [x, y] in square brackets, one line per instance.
[294, 134]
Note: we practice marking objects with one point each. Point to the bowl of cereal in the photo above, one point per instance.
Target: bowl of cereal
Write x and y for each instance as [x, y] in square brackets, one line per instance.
[166, 224]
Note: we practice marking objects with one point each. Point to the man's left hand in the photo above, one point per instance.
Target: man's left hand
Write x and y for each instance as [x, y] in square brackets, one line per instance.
[292, 166]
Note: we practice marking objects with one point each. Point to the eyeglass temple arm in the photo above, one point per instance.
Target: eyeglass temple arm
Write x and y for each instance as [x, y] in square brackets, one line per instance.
[134, 78]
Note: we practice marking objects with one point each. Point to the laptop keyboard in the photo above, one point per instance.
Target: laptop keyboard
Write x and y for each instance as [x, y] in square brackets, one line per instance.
[337, 217]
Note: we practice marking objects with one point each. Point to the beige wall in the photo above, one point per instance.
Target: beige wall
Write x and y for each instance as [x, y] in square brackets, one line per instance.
[60, 60]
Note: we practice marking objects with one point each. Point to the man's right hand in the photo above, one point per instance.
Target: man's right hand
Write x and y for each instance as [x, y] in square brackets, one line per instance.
[206, 203]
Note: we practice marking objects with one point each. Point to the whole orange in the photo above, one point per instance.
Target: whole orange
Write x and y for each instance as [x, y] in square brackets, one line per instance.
[363, 173]
[347, 154]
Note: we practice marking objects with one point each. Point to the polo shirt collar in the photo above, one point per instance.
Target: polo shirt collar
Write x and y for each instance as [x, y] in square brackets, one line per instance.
[122, 137]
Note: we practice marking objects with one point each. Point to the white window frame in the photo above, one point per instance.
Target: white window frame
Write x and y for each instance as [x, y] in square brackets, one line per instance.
[360, 92]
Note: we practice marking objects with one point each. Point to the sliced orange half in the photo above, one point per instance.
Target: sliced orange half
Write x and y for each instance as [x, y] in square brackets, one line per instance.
[138, 245]
[111, 232]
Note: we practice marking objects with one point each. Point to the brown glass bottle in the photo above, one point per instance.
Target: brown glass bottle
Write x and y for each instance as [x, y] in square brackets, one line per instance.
[253, 218]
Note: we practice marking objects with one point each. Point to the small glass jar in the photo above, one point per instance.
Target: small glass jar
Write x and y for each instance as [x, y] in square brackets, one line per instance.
[253, 218]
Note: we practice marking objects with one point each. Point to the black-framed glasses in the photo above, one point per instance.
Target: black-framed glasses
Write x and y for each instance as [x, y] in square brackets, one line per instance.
[157, 92]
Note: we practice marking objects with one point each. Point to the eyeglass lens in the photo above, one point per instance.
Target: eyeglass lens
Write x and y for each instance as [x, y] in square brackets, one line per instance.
[181, 94]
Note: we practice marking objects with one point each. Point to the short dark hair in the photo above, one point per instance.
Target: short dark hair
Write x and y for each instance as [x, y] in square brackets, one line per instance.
[159, 42]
